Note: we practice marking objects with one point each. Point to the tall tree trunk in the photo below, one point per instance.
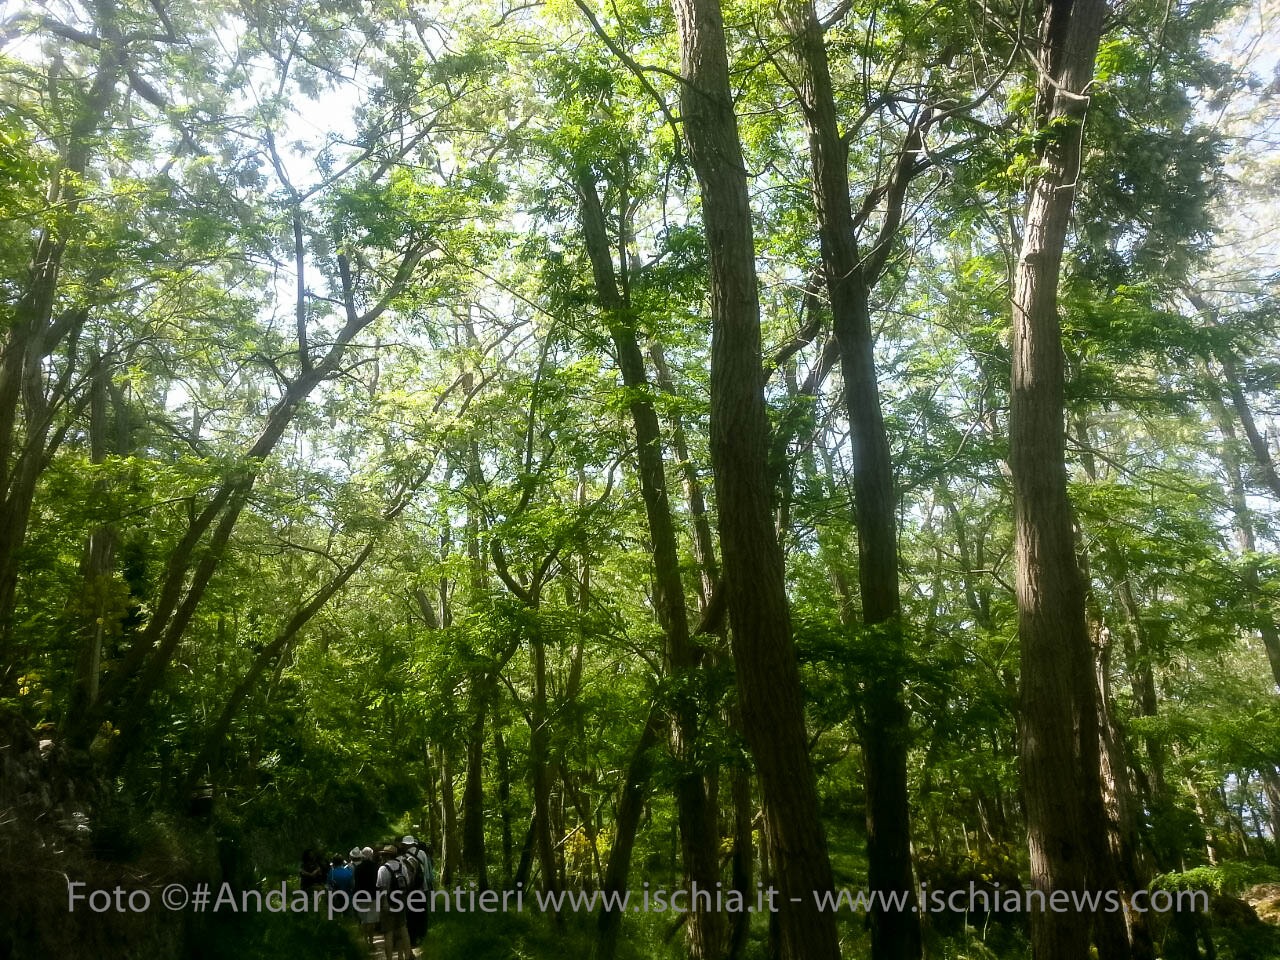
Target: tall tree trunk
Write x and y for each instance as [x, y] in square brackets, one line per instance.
[1121, 804]
[741, 875]
[34, 334]
[97, 566]
[540, 759]
[764, 656]
[895, 934]
[1118, 793]
[559, 829]
[741, 871]
[626, 822]
[1263, 460]
[483, 683]
[473, 862]
[703, 544]
[433, 807]
[1142, 682]
[1245, 540]
[504, 802]
[1059, 732]
[451, 845]
[1271, 787]
[591, 878]
[699, 838]
[525, 867]
[979, 600]
[741, 868]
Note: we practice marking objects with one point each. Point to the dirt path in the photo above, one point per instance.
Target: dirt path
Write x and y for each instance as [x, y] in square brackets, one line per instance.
[375, 953]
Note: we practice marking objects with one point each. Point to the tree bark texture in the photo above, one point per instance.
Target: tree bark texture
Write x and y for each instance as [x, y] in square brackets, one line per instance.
[1059, 731]
[895, 934]
[699, 839]
[764, 655]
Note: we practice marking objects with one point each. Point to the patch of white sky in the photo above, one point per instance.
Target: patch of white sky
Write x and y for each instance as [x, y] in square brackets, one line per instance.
[1249, 120]
[1246, 255]
[326, 122]
[319, 135]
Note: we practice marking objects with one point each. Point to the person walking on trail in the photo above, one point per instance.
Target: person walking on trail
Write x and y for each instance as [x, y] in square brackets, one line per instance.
[341, 875]
[315, 870]
[365, 880]
[393, 877]
[414, 856]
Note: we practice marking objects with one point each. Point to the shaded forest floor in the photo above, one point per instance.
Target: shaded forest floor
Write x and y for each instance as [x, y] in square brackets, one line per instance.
[43, 844]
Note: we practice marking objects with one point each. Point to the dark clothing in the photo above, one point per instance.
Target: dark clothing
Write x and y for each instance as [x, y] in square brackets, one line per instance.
[313, 872]
[418, 915]
[365, 876]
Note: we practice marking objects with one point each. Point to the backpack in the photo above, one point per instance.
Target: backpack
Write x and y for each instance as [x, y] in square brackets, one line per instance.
[399, 876]
[412, 871]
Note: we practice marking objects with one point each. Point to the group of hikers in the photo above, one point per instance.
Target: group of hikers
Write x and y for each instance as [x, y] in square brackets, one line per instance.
[404, 868]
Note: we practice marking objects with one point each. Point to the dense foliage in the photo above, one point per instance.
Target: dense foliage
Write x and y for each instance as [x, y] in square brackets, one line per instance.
[366, 464]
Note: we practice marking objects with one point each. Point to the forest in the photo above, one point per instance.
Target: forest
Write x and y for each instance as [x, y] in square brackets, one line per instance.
[790, 450]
